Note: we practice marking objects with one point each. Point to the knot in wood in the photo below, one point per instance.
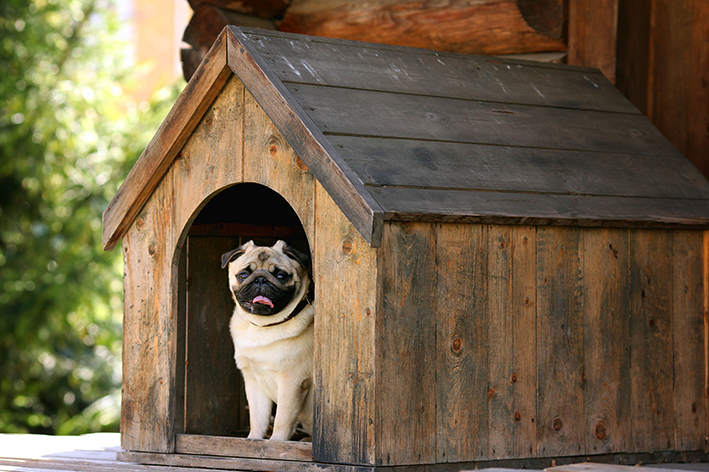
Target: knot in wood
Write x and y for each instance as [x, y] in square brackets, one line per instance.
[513, 378]
[518, 416]
[457, 344]
[273, 149]
[490, 392]
[152, 248]
[601, 430]
[558, 424]
[348, 246]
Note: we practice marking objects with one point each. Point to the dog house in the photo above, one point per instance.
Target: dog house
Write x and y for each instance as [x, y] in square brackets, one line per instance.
[509, 261]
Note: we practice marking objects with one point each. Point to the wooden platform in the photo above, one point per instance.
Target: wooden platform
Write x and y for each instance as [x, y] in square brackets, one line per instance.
[97, 452]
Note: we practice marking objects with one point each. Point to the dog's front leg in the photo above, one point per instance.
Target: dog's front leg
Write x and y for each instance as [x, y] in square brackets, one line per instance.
[291, 395]
[260, 407]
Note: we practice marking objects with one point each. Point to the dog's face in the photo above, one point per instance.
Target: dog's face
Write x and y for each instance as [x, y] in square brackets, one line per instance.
[264, 281]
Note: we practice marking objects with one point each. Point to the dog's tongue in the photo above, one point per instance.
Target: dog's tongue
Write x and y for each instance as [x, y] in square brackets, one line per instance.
[263, 300]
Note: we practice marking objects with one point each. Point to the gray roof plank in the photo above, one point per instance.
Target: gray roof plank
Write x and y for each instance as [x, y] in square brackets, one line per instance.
[539, 209]
[420, 72]
[429, 164]
[371, 113]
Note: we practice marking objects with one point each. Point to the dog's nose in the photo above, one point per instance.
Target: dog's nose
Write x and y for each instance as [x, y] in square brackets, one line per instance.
[260, 281]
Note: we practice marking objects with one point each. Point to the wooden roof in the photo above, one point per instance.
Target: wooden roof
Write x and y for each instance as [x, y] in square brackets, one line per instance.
[412, 134]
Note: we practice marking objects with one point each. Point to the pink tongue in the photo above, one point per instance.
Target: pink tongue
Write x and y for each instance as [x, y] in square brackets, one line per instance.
[263, 300]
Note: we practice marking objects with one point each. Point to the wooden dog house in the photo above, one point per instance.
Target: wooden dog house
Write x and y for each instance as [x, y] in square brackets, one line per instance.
[510, 261]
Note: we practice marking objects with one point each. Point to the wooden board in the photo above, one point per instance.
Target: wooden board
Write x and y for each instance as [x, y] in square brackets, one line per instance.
[607, 330]
[383, 162]
[689, 338]
[512, 318]
[215, 400]
[242, 447]
[448, 205]
[560, 342]
[406, 402]
[593, 29]
[370, 113]
[651, 340]
[354, 65]
[346, 312]
[149, 350]
[461, 319]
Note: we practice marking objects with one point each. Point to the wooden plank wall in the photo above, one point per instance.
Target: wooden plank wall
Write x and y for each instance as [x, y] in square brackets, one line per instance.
[156, 407]
[550, 341]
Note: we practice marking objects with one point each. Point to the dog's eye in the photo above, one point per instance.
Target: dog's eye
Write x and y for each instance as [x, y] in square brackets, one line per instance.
[282, 277]
[243, 275]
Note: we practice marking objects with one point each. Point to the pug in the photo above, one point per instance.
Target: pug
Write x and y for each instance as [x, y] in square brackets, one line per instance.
[272, 330]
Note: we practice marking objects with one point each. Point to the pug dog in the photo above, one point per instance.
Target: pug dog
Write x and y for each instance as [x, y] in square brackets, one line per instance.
[272, 330]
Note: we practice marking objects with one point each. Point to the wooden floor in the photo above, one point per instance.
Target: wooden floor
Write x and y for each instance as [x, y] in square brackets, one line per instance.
[97, 452]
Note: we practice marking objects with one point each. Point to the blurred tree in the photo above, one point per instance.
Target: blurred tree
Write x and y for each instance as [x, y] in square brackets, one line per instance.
[68, 135]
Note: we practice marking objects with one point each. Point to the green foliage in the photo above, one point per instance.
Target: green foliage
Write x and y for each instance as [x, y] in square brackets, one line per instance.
[68, 136]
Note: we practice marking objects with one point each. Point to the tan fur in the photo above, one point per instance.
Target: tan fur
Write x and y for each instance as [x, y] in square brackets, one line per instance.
[276, 361]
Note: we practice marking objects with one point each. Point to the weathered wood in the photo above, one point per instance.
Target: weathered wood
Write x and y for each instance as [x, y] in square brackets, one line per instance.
[367, 113]
[149, 353]
[215, 401]
[462, 342]
[211, 159]
[697, 111]
[705, 271]
[607, 330]
[417, 163]
[147, 173]
[651, 340]
[346, 312]
[271, 161]
[304, 137]
[376, 67]
[229, 463]
[560, 342]
[688, 328]
[512, 321]
[242, 447]
[593, 29]
[483, 27]
[512, 341]
[406, 401]
[443, 205]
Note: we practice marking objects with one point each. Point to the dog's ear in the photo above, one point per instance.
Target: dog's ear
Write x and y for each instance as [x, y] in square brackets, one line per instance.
[227, 257]
[302, 259]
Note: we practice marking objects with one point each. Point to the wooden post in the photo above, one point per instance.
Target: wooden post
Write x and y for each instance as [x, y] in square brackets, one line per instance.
[593, 28]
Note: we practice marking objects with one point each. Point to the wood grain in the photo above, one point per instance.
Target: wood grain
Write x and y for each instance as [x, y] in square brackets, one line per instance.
[462, 343]
[560, 342]
[417, 163]
[406, 402]
[651, 340]
[368, 113]
[512, 318]
[420, 72]
[487, 27]
[688, 329]
[346, 313]
[157, 157]
[607, 351]
[215, 401]
[444, 205]
[148, 403]
[269, 160]
[242, 447]
[593, 29]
